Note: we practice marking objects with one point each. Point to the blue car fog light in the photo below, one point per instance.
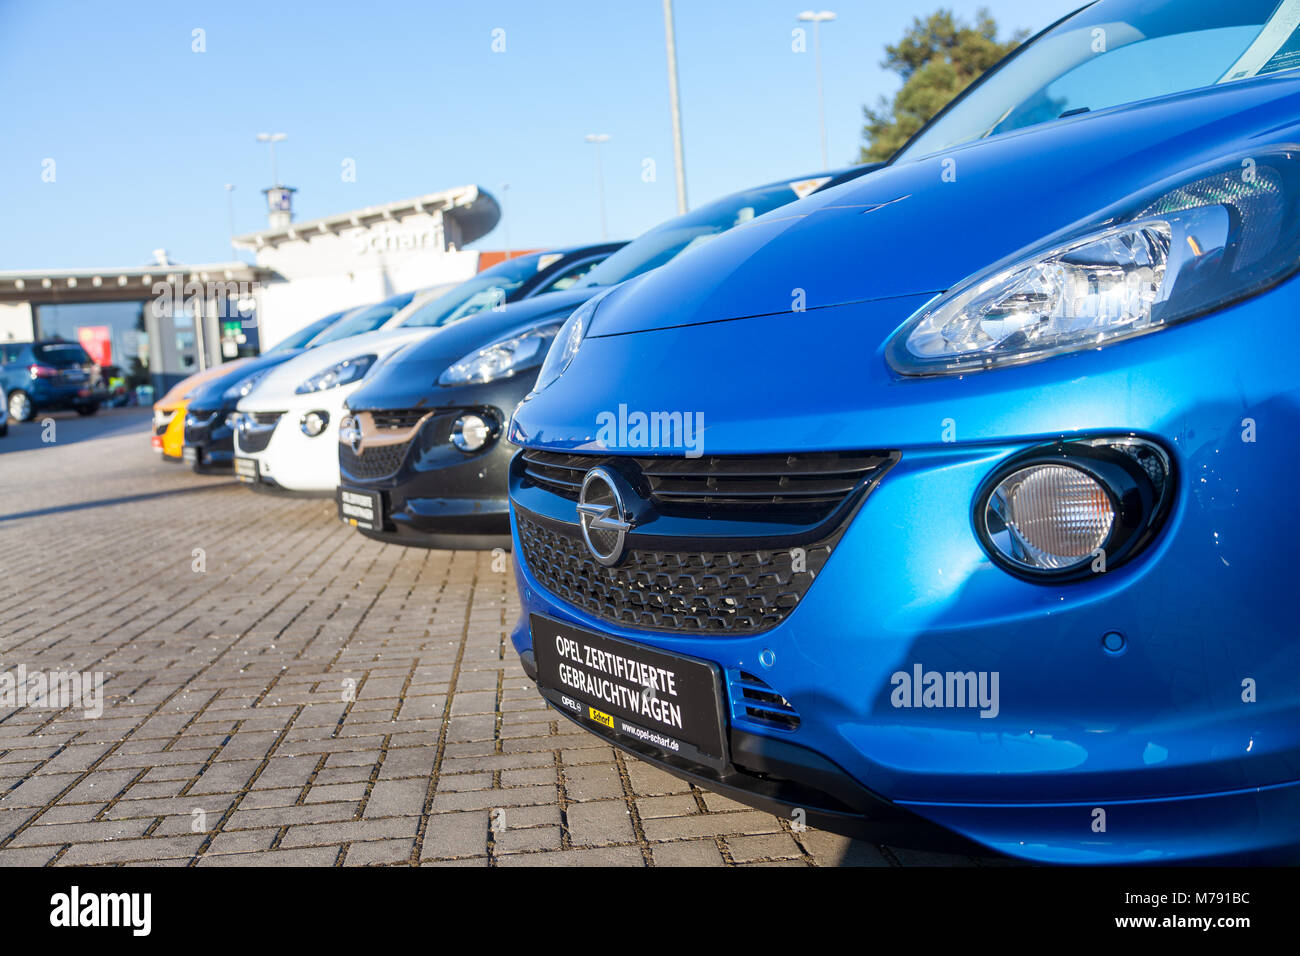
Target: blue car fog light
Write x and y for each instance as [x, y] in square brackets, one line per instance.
[1073, 508]
[1049, 517]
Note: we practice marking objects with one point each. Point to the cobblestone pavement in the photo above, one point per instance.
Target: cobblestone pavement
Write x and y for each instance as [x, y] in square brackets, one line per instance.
[280, 690]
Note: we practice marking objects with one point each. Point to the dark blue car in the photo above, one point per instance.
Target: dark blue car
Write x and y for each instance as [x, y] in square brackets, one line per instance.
[952, 506]
[48, 376]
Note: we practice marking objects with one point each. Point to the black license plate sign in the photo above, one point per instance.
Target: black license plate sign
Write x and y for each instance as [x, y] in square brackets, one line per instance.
[664, 700]
[361, 509]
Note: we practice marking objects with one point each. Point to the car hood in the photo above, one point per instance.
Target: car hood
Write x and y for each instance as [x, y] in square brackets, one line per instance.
[185, 386]
[923, 226]
[410, 379]
[281, 385]
[209, 394]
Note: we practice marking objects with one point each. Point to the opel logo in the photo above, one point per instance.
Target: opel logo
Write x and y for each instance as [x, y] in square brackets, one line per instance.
[350, 434]
[603, 514]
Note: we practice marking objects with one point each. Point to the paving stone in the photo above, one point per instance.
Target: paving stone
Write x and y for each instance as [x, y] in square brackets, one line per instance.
[226, 690]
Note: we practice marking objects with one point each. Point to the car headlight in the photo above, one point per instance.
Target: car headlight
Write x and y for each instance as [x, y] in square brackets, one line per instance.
[567, 341]
[241, 388]
[502, 358]
[340, 373]
[1173, 253]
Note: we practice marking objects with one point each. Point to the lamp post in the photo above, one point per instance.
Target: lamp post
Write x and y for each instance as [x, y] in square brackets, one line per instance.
[271, 139]
[230, 212]
[598, 139]
[675, 105]
[817, 19]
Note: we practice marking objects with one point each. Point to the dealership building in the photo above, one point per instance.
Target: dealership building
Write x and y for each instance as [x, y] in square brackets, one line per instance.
[162, 321]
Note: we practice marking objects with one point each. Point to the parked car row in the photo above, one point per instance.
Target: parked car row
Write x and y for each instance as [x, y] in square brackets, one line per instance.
[944, 504]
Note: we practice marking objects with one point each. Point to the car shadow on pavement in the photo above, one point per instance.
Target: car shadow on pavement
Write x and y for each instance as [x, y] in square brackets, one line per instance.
[122, 500]
[70, 428]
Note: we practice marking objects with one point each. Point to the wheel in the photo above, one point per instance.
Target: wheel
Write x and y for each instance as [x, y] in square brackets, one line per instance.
[88, 409]
[20, 407]
[4, 430]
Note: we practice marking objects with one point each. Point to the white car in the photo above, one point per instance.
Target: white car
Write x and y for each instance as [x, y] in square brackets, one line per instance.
[286, 428]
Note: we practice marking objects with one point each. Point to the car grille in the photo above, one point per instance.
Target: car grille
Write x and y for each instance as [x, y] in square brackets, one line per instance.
[755, 700]
[770, 487]
[401, 418]
[256, 439]
[731, 592]
[374, 461]
[728, 590]
[198, 426]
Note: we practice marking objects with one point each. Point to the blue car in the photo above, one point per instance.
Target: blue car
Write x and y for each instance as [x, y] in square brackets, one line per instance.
[951, 506]
[49, 375]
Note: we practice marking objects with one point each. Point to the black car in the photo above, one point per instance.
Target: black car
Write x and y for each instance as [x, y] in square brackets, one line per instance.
[49, 375]
[423, 458]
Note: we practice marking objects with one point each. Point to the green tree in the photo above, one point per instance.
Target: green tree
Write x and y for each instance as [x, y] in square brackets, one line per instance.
[937, 58]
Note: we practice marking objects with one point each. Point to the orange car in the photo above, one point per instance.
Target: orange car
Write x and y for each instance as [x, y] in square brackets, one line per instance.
[169, 411]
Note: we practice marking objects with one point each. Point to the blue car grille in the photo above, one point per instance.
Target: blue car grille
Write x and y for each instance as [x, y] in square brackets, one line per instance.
[804, 487]
[198, 426]
[725, 592]
[793, 508]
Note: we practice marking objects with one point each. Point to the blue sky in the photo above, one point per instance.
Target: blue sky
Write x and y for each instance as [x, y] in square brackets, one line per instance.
[144, 132]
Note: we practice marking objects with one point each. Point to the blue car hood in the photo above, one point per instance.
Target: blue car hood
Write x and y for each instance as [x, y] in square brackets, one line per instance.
[410, 378]
[908, 229]
[209, 394]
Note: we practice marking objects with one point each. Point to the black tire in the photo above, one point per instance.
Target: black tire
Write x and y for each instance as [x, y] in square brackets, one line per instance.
[20, 406]
[88, 410]
[4, 430]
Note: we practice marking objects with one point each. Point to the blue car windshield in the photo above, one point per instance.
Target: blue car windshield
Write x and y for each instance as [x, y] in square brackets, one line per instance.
[670, 239]
[304, 335]
[1116, 52]
[366, 320]
[488, 288]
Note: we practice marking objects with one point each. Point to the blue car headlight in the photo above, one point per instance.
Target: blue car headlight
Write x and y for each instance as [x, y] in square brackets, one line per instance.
[1186, 248]
[340, 373]
[567, 341]
[502, 358]
[241, 388]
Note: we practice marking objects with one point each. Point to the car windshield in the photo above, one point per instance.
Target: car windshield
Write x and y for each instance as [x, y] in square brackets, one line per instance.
[489, 287]
[367, 320]
[61, 355]
[672, 238]
[1116, 52]
[300, 338]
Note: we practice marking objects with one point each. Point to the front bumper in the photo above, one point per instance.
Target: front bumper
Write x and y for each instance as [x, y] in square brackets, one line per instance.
[209, 441]
[439, 496]
[285, 457]
[1171, 740]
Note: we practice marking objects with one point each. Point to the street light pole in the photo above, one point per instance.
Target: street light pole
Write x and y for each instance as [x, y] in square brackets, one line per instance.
[817, 19]
[230, 212]
[679, 159]
[271, 139]
[598, 139]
